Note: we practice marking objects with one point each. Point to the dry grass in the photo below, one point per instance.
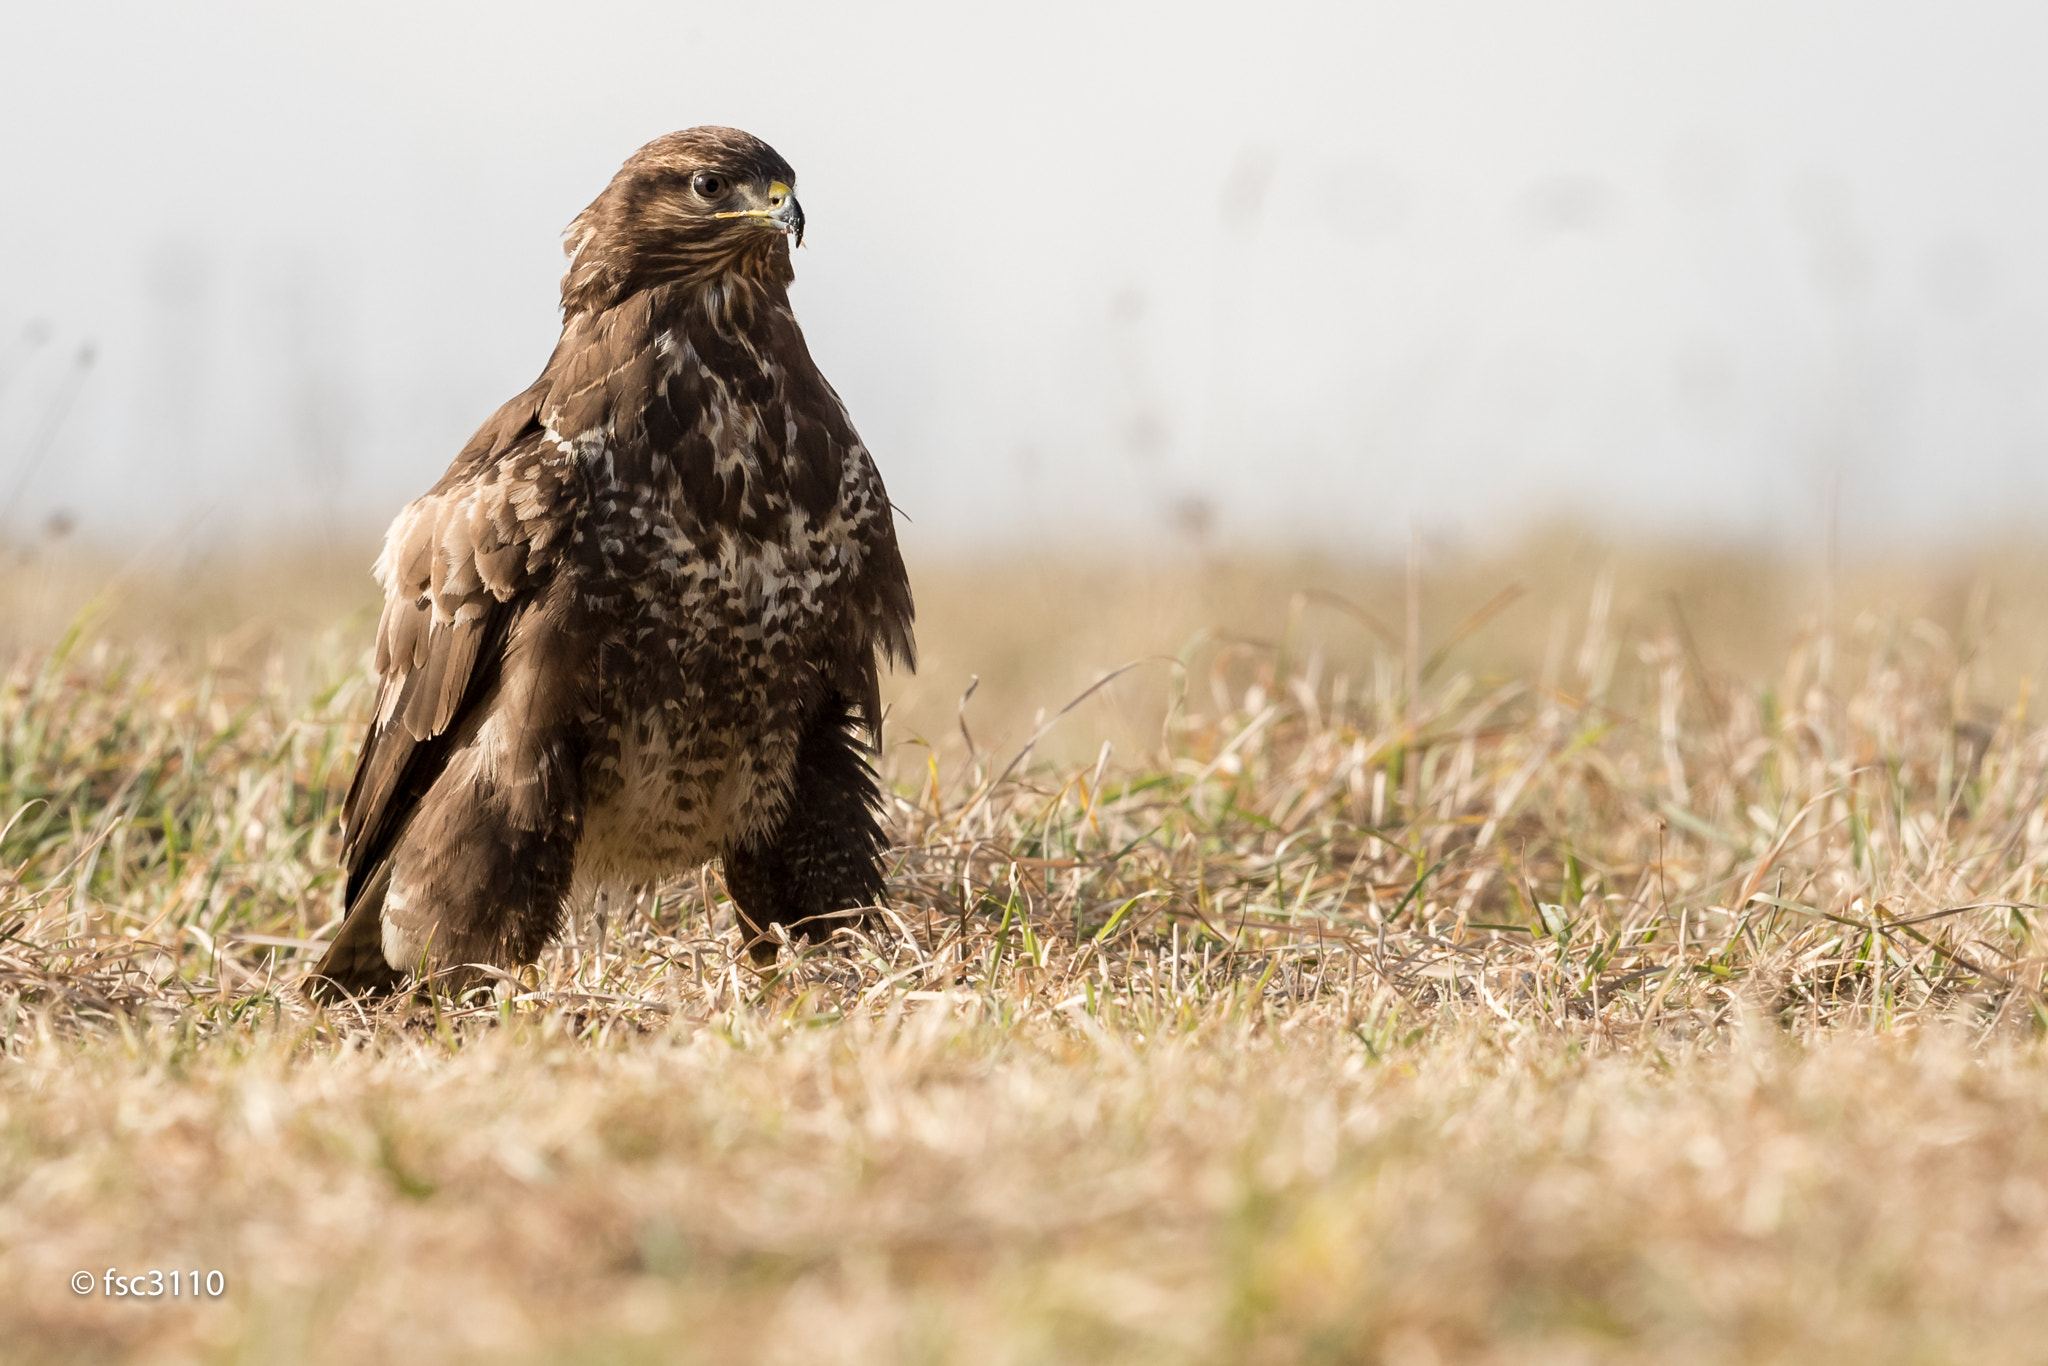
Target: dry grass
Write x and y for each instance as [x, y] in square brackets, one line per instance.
[1588, 1004]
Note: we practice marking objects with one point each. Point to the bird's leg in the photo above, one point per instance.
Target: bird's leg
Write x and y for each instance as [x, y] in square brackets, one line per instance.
[826, 857]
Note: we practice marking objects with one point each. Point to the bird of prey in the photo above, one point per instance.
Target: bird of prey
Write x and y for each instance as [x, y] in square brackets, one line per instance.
[638, 623]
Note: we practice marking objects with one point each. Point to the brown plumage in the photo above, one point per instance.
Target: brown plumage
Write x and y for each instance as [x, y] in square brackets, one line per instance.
[636, 623]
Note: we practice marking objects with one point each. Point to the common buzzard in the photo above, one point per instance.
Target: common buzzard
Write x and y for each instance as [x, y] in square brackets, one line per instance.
[637, 624]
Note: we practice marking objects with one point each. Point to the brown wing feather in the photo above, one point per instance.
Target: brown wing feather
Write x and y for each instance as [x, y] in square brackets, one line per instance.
[457, 563]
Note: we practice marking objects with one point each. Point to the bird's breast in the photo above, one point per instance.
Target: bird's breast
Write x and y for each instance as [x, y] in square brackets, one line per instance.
[716, 641]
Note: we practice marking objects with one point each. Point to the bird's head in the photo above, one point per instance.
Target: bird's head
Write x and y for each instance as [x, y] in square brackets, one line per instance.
[688, 208]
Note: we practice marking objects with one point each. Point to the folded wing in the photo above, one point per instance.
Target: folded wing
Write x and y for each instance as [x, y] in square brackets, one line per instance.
[458, 566]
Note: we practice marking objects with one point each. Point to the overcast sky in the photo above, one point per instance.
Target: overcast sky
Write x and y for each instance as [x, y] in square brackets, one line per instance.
[1318, 268]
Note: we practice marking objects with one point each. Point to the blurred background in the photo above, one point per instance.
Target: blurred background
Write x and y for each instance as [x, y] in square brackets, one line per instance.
[1081, 271]
[1286, 288]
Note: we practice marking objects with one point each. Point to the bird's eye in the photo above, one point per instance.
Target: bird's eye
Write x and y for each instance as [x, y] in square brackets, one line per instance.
[708, 185]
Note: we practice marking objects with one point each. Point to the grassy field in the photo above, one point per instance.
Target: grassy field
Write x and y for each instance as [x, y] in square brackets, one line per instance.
[1571, 954]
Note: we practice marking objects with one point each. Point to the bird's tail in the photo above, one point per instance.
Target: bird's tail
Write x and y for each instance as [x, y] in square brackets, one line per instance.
[354, 963]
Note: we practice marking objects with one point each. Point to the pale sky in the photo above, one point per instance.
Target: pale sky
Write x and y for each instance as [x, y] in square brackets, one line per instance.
[1330, 268]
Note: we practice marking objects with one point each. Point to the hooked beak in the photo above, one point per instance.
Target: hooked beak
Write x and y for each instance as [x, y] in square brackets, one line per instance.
[781, 213]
